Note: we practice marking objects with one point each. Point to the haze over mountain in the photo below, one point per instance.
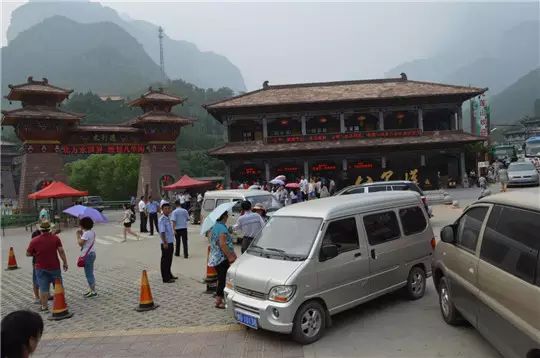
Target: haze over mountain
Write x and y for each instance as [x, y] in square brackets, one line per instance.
[79, 56]
[182, 58]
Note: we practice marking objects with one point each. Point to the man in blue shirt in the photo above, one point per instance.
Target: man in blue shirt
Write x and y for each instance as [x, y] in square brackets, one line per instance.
[180, 218]
[152, 209]
[166, 235]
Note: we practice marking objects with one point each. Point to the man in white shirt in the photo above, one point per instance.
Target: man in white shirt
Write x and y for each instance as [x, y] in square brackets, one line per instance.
[180, 219]
[142, 215]
[304, 187]
[249, 223]
[187, 200]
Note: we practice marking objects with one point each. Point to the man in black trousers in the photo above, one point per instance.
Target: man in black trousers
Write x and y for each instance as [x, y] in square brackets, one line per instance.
[166, 234]
[142, 214]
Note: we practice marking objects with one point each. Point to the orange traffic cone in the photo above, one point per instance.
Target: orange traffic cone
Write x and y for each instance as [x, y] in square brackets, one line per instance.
[12, 261]
[60, 310]
[146, 302]
[211, 275]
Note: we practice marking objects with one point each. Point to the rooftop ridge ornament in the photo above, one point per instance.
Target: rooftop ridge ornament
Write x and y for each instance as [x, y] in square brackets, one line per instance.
[403, 76]
[265, 85]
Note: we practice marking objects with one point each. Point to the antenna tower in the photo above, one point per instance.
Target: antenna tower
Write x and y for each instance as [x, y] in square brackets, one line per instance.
[161, 59]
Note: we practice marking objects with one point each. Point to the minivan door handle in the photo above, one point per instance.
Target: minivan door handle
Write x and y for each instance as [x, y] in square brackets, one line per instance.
[358, 254]
[373, 256]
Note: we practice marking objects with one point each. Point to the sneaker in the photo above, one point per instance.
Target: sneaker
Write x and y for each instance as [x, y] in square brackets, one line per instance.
[44, 309]
[87, 293]
[91, 294]
[37, 301]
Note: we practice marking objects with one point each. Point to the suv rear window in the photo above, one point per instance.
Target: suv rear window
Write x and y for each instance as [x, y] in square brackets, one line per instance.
[511, 241]
[381, 227]
[412, 220]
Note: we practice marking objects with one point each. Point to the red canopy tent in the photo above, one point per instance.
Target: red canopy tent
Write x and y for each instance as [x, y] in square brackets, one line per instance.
[57, 189]
[186, 182]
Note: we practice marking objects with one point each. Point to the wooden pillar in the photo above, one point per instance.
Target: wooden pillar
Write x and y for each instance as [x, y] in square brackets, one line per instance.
[344, 164]
[226, 131]
[303, 120]
[306, 170]
[227, 176]
[460, 118]
[456, 121]
[342, 122]
[267, 171]
[265, 128]
[383, 162]
[381, 120]
[421, 119]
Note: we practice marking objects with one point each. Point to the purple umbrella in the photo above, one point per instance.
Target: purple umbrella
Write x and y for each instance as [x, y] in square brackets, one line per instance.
[81, 211]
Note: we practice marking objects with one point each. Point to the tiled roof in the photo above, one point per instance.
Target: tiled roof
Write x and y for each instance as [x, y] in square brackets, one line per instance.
[38, 112]
[36, 87]
[156, 96]
[160, 117]
[105, 128]
[342, 91]
[258, 147]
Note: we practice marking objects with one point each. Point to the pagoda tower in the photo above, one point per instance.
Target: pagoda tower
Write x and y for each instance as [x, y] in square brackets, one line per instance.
[161, 128]
[41, 126]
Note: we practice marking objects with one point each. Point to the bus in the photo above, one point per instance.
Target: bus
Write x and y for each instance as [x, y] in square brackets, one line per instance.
[507, 151]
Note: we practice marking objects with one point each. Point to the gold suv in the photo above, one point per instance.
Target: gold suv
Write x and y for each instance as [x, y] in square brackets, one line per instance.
[486, 269]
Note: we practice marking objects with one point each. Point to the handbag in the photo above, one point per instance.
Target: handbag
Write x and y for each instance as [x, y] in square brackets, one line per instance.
[82, 259]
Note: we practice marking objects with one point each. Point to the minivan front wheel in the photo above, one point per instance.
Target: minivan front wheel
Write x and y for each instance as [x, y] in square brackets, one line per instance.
[416, 283]
[309, 323]
[449, 312]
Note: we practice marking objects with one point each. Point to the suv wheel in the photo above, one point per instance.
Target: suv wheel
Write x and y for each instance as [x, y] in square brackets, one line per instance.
[416, 283]
[309, 323]
[449, 312]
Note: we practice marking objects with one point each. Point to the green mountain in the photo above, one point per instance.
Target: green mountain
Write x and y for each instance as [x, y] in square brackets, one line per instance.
[100, 57]
[516, 101]
[182, 58]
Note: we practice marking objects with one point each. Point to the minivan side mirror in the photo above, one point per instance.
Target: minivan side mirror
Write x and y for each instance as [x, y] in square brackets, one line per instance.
[328, 251]
[448, 235]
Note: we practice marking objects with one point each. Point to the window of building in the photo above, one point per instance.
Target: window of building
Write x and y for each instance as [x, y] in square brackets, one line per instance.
[209, 204]
[469, 226]
[511, 242]
[282, 132]
[317, 130]
[412, 220]
[248, 136]
[342, 233]
[381, 227]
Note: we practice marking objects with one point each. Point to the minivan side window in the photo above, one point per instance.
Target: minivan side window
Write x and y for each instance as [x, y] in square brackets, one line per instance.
[342, 233]
[381, 227]
[221, 201]
[355, 191]
[209, 204]
[412, 220]
[511, 241]
[373, 189]
[469, 227]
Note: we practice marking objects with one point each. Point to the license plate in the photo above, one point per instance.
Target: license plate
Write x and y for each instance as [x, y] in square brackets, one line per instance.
[246, 320]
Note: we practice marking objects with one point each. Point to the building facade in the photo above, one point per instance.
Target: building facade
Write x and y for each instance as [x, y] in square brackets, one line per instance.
[528, 127]
[352, 132]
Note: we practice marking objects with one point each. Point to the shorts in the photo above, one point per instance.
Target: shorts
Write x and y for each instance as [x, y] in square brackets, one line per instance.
[127, 224]
[46, 277]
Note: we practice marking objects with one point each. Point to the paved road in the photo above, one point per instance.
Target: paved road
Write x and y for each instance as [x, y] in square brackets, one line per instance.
[186, 324]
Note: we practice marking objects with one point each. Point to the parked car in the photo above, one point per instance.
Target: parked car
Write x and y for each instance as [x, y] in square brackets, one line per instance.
[394, 185]
[486, 269]
[93, 201]
[523, 173]
[317, 258]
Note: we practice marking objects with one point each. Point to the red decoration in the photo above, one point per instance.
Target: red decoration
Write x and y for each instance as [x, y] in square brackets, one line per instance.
[361, 165]
[324, 167]
[340, 136]
[287, 169]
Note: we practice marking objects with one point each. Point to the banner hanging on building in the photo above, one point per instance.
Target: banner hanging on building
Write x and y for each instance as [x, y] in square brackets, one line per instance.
[481, 116]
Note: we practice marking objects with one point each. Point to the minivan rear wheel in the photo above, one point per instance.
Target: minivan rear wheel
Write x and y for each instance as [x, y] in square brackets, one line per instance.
[309, 323]
[449, 312]
[416, 283]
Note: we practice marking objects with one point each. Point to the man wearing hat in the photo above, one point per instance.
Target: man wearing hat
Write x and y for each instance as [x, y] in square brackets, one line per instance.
[166, 234]
[45, 248]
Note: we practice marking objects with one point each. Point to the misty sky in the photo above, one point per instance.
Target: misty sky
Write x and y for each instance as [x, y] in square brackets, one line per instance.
[306, 42]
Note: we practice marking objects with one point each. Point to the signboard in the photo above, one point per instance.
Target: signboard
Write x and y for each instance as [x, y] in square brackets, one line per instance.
[361, 164]
[340, 136]
[481, 113]
[483, 164]
[250, 171]
[98, 148]
[287, 169]
[320, 167]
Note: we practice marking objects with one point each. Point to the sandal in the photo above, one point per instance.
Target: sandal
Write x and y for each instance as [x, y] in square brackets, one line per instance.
[221, 306]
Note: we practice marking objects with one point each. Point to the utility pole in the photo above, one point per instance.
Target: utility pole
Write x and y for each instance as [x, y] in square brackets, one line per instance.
[161, 59]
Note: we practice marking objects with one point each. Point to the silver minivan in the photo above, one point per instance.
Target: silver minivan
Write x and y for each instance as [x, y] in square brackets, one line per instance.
[318, 258]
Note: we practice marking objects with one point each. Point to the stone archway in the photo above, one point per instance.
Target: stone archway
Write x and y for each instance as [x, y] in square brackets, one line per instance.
[48, 133]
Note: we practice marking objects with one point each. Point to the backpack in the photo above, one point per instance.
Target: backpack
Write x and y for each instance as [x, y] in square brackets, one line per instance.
[132, 218]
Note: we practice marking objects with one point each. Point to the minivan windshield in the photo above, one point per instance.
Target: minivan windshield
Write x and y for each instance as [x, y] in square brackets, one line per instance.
[286, 237]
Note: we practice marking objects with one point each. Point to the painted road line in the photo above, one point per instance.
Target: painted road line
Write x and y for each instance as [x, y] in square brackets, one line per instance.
[103, 242]
[113, 238]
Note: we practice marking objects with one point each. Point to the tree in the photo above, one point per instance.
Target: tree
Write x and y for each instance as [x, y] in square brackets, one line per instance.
[113, 177]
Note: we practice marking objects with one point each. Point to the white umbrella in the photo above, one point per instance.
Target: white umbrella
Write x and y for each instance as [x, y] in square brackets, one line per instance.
[211, 219]
[277, 182]
[281, 177]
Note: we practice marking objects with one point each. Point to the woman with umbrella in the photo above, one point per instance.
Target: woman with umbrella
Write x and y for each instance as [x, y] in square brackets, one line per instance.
[222, 253]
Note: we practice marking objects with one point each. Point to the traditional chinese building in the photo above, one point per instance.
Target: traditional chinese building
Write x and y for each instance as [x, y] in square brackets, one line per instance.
[351, 131]
[48, 133]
